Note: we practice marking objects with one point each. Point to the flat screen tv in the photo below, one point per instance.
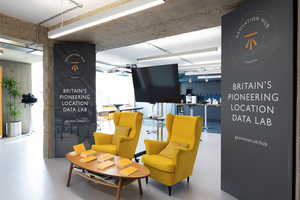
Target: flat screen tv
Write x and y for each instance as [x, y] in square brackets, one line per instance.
[156, 84]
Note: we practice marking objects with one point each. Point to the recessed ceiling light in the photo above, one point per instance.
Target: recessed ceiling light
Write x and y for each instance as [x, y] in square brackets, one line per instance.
[178, 54]
[36, 52]
[5, 40]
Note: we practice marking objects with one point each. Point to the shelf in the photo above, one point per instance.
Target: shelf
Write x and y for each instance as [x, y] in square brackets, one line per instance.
[125, 181]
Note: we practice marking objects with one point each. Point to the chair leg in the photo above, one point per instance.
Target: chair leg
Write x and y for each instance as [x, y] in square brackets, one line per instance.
[188, 179]
[147, 180]
[170, 189]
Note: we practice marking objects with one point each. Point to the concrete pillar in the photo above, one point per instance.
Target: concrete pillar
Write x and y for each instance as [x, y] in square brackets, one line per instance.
[1, 129]
[298, 112]
[48, 68]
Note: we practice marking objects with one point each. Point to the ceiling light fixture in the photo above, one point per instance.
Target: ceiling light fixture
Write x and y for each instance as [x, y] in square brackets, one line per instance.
[178, 54]
[209, 77]
[202, 72]
[108, 15]
[204, 65]
[36, 52]
[190, 79]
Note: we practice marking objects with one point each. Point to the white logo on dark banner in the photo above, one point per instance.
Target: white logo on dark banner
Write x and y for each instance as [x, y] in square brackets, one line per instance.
[74, 66]
[258, 94]
[74, 96]
[253, 40]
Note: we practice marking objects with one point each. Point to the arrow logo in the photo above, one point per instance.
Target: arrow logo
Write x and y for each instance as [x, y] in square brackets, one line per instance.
[251, 41]
[75, 66]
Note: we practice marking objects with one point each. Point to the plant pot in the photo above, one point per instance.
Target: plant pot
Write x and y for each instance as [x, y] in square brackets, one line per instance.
[13, 129]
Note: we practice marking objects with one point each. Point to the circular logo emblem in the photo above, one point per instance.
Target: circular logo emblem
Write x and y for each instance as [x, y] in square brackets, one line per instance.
[74, 66]
[253, 40]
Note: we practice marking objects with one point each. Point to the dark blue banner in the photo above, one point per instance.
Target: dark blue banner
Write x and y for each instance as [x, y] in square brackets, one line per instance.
[74, 96]
[258, 100]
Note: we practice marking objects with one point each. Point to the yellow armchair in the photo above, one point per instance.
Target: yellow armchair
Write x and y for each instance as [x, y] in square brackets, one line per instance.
[179, 162]
[124, 146]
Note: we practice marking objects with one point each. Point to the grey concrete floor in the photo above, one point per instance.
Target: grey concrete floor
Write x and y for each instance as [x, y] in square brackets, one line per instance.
[25, 174]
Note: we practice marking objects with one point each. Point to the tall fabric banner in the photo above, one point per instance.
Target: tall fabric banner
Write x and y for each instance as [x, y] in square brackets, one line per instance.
[74, 96]
[1, 128]
[258, 100]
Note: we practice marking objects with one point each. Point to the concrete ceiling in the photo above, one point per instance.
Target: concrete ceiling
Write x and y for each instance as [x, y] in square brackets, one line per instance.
[202, 39]
[36, 11]
[171, 18]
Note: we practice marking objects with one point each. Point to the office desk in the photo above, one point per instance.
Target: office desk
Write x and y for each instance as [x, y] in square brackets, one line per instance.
[121, 109]
[106, 112]
[160, 124]
[199, 104]
[131, 108]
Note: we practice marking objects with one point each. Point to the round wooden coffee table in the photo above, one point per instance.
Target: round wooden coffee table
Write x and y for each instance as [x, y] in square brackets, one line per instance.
[112, 171]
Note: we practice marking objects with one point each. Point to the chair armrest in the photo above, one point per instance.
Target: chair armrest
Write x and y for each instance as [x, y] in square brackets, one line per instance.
[124, 139]
[182, 155]
[102, 138]
[154, 147]
[184, 160]
[126, 146]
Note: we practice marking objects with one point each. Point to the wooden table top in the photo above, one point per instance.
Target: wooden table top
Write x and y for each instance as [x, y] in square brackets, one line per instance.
[113, 171]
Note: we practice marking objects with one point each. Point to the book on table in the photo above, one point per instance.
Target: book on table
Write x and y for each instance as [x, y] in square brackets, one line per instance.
[79, 148]
[124, 163]
[105, 157]
[129, 170]
[88, 159]
[72, 153]
[88, 153]
[105, 164]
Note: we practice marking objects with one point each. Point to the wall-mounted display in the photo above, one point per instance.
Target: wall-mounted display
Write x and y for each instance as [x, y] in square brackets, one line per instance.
[156, 84]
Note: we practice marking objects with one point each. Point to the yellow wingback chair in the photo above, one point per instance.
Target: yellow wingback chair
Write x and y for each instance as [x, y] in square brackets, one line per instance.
[184, 134]
[123, 146]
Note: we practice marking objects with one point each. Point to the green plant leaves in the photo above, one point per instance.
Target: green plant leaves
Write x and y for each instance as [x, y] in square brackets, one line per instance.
[11, 85]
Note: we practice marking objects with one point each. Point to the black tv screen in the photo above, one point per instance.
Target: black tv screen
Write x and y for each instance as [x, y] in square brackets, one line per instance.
[156, 84]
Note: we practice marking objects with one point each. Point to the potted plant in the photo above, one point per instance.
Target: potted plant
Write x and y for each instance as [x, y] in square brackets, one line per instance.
[13, 127]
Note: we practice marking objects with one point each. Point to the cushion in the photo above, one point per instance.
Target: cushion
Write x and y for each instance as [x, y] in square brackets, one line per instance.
[159, 162]
[106, 148]
[120, 131]
[169, 149]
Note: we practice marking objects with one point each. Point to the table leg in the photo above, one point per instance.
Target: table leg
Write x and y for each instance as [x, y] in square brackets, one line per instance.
[161, 130]
[205, 116]
[191, 111]
[119, 188]
[140, 186]
[70, 172]
[157, 130]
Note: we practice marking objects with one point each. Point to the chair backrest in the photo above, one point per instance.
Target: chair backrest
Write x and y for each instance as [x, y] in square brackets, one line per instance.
[184, 129]
[130, 119]
[133, 120]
